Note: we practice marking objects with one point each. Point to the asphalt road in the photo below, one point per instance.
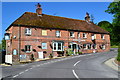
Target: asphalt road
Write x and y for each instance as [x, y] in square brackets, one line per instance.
[82, 67]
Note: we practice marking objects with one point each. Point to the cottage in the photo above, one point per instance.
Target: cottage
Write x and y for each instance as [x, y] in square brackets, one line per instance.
[38, 35]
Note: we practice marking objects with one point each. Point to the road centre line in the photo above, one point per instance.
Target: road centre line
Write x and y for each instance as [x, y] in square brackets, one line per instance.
[76, 63]
[48, 63]
[15, 76]
[75, 74]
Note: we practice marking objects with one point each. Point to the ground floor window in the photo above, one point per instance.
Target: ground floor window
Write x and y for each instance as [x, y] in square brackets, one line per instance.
[94, 46]
[89, 46]
[103, 46]
[44, 45]
[84, 46]
[28, 48]
[58, 46]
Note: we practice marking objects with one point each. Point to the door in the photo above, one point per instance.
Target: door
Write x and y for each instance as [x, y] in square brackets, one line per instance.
[74, 48]
[40, 55]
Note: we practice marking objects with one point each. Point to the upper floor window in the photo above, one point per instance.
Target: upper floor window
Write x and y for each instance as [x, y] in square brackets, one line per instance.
[44, 32]
[28, 31]
[58, 34]
[84, 35]
[93, 36]
[102, 36]
[44, 45]
[78, 34]
[28, 48]
[71, 34]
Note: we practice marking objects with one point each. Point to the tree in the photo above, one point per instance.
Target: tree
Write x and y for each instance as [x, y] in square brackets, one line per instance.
[114, 9]
[3, 44]
[108, 27]
[118, 56]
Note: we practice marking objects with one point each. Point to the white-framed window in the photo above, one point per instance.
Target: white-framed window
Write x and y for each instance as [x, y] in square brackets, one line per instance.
[102, 36]
[89, 46]
[78, 34]
[58, 46]
[93, 36]
[84, 46]
[84, 35]
[44, 45]
[94, 46]
[103, 46]
[71, 34]
[44, 32]
[28, 48]
[58, 34]
[28, 31]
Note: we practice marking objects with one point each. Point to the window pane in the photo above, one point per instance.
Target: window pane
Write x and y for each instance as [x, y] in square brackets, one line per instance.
[59, 46]
[44, 45]
[44, 32]
[58, 33]
[54, 46]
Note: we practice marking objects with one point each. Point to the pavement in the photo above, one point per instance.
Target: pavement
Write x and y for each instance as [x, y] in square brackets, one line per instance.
[81, 67]
[111, 63]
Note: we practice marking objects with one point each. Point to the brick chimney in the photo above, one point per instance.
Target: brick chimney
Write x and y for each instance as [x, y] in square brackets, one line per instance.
[87, 17]
[39, 10]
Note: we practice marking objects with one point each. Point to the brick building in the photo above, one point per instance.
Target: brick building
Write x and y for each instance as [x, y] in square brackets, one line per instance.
[39, 35]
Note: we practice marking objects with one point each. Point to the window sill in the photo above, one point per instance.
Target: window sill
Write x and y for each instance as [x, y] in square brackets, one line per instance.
[27, 51]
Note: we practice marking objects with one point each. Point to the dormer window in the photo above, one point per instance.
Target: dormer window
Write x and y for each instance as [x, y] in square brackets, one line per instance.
[84, 35]
[28, 31]
[58, 34]
[71, 34]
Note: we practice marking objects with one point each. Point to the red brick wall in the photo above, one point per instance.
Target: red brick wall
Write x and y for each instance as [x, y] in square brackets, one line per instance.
[36, 39]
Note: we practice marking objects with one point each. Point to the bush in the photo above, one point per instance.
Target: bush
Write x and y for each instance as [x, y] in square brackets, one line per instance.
[79, 53]
[51, 56]
[118, 56]
[69, 52]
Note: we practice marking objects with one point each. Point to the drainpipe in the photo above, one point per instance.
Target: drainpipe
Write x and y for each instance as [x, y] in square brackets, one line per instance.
[19, 42]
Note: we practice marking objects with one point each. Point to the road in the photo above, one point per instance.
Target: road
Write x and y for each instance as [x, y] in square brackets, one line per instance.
[82, 67]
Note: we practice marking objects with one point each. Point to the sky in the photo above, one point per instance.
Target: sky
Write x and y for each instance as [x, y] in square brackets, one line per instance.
[76, 10]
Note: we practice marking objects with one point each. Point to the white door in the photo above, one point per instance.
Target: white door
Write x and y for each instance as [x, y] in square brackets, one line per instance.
[40, 55]
[8, 59]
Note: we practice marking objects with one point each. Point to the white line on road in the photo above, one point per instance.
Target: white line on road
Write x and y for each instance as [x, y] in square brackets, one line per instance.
[15, 76]
[21, 72]
[76, 63]
[26, 70]
[75, 74]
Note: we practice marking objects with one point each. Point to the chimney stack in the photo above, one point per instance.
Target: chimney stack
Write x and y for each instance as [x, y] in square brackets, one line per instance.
[39, 10]
[87, 17]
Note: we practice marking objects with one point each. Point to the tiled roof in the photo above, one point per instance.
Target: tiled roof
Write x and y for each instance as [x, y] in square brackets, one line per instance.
[48, 21]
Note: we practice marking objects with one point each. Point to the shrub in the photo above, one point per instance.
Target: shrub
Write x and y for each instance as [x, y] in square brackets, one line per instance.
[69, 52]
[118, 56]
[51, 56]
[79, 53]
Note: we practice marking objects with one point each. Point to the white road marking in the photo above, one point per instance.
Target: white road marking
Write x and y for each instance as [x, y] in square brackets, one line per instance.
[15, 76]
[75, 74]
[31, 68]
[21, 72]
[76, 63]
[26, 70]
